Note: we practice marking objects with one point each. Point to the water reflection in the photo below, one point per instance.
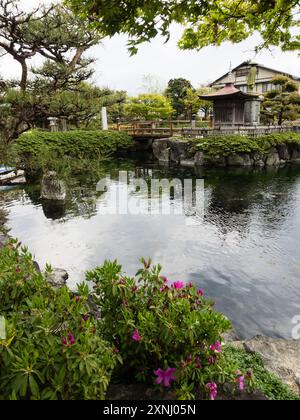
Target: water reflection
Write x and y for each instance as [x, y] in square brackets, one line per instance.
[245, 253]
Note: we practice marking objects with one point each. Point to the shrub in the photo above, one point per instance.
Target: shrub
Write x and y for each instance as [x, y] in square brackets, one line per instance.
[52, 349]
[224, 146]
[77, 144]
[166, 333]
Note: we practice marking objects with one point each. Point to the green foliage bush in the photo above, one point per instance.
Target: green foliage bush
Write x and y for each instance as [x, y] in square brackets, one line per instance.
[162, 329]
[224, 146]
[52, 349]
[77, 144]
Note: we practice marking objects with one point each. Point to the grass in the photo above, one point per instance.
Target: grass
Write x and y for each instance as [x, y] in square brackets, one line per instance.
[267, 383]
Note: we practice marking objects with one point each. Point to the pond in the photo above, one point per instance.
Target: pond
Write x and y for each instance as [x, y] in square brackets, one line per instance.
[245, 252]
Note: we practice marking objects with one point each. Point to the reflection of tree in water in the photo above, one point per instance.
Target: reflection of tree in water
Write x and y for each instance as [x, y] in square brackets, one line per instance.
[235, 197]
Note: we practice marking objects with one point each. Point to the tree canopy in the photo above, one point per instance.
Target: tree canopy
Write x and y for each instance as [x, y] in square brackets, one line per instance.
[177, 92]
[149, 107]
[283, 102]
[205, 22]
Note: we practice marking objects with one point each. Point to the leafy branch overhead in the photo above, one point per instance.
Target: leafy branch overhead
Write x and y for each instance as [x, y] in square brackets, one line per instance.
[205, 22]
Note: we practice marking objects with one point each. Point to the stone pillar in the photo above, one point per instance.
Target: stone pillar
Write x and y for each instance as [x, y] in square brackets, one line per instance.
[104, 119]
[63, 121]
[53, 124]
[252, 111]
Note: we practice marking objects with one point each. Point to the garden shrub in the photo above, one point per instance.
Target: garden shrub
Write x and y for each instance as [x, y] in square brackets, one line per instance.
[52, 349]
[224, 146]
[64, 152]
[167, 334]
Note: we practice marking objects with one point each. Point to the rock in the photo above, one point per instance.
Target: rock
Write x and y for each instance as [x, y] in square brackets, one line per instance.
[230, 336]
[280, 357]
[283, 152]
[239, 160]
[3, 240]
[57, 278]
[295, 153]
[187, 163]
[53, 188]
[179, 150]
[199, 159]
[258, 159]
[273, 158]
[161, 150]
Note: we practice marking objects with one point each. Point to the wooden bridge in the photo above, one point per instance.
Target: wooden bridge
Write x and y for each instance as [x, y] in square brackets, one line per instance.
[153, 129]
[166, 129]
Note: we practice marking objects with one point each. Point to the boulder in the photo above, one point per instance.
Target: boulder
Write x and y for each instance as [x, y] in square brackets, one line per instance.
[53, 188]
[295, 153]
[280, 357]
[57, 278]
[239, 160]
[273, 158]
[3, 240]
[187, 163]
[284, 153]
[179, 150]
[199, 159]
[161, 150]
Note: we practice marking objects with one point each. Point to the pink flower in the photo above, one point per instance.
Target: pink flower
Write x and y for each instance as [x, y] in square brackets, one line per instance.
[190, 285]
[136, 336]
[200, 292]
[18, 270]
[71, 339]
[213, 390]
[216, 347]
[178, 285]
[165, 279]
[241, 381]
[165, 377]
[211, 361]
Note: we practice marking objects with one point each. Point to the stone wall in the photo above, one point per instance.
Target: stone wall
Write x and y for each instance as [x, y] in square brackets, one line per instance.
[179, 151]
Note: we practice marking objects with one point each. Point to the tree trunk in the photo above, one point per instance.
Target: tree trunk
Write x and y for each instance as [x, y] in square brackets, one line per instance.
[23, 83]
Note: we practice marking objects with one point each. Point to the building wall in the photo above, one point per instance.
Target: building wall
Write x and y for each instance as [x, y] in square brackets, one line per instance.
[240, 75]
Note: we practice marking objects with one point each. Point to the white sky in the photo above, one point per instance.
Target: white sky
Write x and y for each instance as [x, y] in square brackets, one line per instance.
[117, 70]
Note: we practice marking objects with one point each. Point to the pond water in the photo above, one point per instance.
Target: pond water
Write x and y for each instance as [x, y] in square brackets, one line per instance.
[245, 253]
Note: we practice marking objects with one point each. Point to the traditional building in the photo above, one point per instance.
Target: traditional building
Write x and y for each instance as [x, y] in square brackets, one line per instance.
[261, 78]
[233, 107]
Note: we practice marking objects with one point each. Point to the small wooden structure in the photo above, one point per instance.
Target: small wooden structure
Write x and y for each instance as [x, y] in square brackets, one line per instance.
[232, 107]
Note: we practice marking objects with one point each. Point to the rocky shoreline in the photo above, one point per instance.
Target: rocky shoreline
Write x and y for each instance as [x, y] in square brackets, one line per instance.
[181, 152]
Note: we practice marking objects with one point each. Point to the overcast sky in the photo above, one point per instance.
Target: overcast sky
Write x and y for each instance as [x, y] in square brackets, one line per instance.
[117, 70]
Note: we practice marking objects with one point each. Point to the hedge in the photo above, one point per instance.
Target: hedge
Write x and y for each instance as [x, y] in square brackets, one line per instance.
[223, 146]
[77, 144]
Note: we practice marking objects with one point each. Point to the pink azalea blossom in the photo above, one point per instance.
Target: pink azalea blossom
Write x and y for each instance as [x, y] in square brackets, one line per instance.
[165, 279]
[178, 285]
[165, 377]
[216, 347]
[241, 381]
[213, 390]
[136, 336]
[200, 292]
[71, 339]
[190, 285]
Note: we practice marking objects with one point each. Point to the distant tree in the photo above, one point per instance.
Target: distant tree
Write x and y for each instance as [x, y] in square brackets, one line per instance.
[194, 104]
[149, 107]
[205, 22]
[152, 84]
[177, 92]
[283, 102]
